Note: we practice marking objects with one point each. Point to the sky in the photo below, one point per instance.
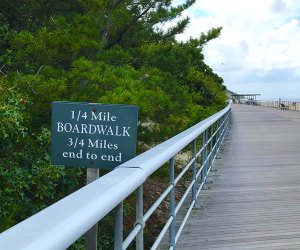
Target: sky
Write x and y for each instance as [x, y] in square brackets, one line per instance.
[258, 51]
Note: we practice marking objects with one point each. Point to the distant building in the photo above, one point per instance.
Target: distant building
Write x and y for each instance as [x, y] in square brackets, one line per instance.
[244, 98]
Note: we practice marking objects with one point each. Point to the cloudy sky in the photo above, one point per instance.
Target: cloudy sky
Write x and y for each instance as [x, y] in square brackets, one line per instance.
[259, 48]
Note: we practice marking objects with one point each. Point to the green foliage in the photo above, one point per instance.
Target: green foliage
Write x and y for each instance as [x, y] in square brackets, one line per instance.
[28, 180]
[32, 14]
[12, 117]
[105, 51]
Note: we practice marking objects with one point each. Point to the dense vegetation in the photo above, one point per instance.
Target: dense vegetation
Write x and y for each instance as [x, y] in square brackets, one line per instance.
[105, 51]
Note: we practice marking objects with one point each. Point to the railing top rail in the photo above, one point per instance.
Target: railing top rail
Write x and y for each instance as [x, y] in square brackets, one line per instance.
[62, 223]
[152, 159]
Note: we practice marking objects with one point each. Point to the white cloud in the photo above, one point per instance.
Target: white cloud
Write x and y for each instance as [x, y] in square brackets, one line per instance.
[259, 40]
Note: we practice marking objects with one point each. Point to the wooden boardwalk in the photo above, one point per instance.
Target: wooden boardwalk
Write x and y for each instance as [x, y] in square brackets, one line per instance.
[253, 198]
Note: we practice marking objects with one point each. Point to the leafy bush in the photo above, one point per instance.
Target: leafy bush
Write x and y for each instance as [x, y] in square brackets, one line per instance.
[28, 180]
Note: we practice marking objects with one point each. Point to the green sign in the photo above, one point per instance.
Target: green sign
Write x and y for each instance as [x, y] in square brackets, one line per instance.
[93, 135]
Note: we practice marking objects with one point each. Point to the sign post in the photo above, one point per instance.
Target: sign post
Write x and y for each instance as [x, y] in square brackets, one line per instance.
[92, 174]
[93, 136]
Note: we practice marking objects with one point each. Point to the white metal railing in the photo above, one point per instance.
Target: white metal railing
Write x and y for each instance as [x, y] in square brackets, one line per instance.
[281, 104]
[62, 223]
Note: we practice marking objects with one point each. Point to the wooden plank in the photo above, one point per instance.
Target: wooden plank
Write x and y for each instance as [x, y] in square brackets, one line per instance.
[253, 201]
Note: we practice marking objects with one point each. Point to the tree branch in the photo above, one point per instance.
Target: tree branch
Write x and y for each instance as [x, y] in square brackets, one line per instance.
[2, 68]
[124, 31]
[106, 27]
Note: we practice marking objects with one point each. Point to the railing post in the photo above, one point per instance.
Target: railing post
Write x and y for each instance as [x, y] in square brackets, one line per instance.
[220, 134]
[203, 157]
[226, 123]
[211, 145]
[172, 230]
[118, 235]
[206, 152]
[218, 137]
[222, 128]
[229, 120]
[139, 218]
[194, 172]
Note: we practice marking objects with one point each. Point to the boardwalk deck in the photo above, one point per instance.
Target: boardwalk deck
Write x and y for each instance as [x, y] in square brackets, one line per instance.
[253, 201]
